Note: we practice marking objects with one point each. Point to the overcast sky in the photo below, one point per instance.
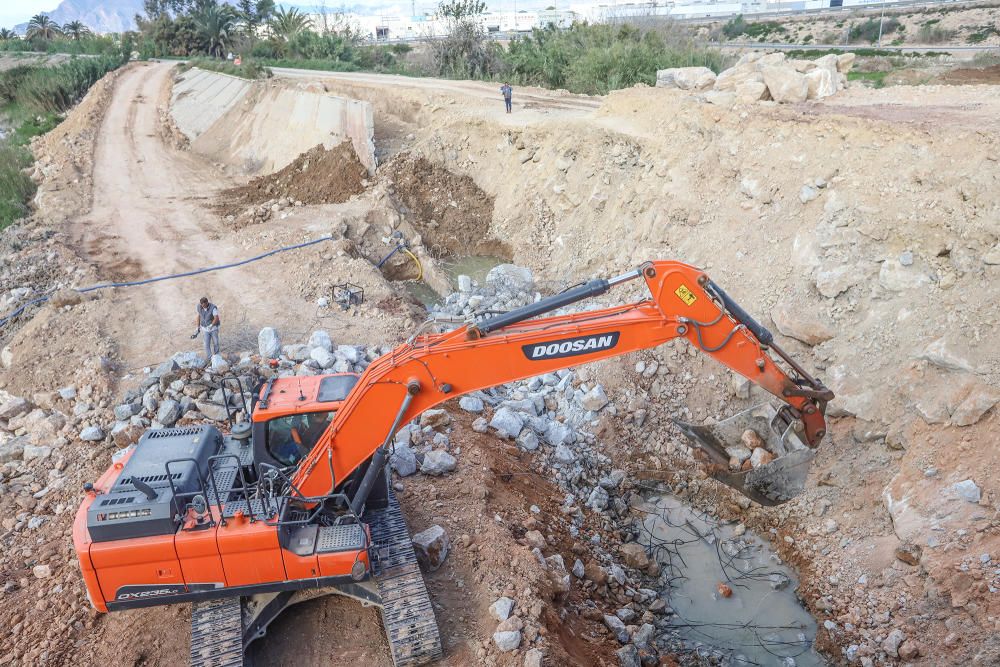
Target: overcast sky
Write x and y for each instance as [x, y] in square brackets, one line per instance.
[19, 11]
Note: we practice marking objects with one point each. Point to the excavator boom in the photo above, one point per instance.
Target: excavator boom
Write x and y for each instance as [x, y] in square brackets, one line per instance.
[430, 369]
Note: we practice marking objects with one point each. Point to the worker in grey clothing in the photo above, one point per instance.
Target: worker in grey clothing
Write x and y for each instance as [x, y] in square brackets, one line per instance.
[507, 92]
[208, 324]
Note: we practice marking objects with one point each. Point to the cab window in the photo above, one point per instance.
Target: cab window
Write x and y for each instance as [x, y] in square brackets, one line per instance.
[291, 438]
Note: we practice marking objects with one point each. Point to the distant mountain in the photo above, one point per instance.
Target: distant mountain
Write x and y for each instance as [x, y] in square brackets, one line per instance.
[98, 15]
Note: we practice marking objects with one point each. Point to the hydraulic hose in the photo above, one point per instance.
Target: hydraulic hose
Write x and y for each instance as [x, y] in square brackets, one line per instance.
[146, 281]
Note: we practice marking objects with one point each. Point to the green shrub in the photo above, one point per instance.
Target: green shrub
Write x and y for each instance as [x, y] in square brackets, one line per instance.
[596, 59]
[738, 26]
[868, 31]
[932, 34]
[38, 89]
[16, 189]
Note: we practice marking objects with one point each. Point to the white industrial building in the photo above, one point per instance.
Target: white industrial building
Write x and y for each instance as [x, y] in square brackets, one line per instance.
[395, 27]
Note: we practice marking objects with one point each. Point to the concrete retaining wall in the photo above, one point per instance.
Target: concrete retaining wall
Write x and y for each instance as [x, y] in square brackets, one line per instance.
[261, 126]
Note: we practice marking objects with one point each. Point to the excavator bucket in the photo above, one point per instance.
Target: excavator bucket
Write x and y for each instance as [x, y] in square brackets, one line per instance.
[772, 483]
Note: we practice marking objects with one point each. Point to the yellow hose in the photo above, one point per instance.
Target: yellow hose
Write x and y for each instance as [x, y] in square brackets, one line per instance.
[420, 267]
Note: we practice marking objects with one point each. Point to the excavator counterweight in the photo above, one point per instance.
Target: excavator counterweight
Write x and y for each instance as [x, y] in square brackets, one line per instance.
[297, 502]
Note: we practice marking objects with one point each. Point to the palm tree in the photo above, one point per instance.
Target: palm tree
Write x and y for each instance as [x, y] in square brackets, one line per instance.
[76, 30]
[42, 27]
[7, 34]
[286, 23]
[217, 26]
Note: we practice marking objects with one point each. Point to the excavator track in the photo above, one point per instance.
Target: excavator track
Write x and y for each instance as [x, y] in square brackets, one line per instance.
[218, 627]
[407, 610]
[217, 633]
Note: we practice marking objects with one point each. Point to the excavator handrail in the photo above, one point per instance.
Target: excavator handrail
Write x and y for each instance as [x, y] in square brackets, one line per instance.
[519, 344]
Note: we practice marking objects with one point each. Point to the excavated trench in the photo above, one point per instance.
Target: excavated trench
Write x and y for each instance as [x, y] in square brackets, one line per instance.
[733, 598]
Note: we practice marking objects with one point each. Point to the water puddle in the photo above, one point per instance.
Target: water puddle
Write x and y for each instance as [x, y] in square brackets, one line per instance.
[762, 621]
[474, 266]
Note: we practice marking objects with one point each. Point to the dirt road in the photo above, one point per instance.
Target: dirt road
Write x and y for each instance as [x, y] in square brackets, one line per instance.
[149, 218]
[538, 101]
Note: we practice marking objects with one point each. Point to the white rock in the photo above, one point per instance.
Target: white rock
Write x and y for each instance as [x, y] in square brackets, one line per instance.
[269, 343]
[218, 363]
[557, 433]
[528, 440]
[507, 422]
[598, 499]
[943, 353]
[534, 658]
[967, 490]
[510, 277]
[349, 352]
[685, 78]
[973, 407]
[94, 433]
[595, 399]
[785, 84]
[897, 277]
[403, 460]
[802, 324]
[323, 357]
[320, 338]
[564, 454]
[501, 609]
[437, 462]
[821, 83]
[42, 571]
[751, 91]
[807, 194]
[892, 642]
[844, 62]
[508, 640]
[472, 404]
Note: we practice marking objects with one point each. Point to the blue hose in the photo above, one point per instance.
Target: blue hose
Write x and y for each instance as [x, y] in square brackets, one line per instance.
[7, 318]
[386, 258]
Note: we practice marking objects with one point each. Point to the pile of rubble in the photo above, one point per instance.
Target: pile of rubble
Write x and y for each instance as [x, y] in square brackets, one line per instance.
[758, 77]
[505, 287]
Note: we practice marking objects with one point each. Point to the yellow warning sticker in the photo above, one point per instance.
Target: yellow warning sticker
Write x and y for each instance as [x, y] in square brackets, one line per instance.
[686, 295]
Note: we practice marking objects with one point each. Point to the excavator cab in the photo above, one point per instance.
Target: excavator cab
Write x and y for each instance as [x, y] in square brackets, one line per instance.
[290, 414]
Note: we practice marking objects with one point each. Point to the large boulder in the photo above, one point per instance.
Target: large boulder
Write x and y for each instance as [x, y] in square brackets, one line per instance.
[169, 412]
[437, 462]
[403, 460]
[510, 278]
[685, 78]
[804, 325]
[735, 76]
[269, 343]
[431, 547]
[507, 422]
[821, 83]
[321, 339]
[785, 84]
[15, 407]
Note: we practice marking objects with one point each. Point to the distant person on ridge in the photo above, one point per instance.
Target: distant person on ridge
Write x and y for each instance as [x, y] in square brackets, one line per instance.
[507, 91]
[208, 324]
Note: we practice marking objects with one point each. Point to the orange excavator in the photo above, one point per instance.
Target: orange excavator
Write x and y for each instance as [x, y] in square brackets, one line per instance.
[297, 503]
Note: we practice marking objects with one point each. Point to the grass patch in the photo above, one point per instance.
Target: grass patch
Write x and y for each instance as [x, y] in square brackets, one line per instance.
[812, 54]
[16, 189]
[876, 79]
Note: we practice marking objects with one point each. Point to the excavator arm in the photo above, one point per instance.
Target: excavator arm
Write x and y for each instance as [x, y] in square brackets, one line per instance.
[430, 369]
